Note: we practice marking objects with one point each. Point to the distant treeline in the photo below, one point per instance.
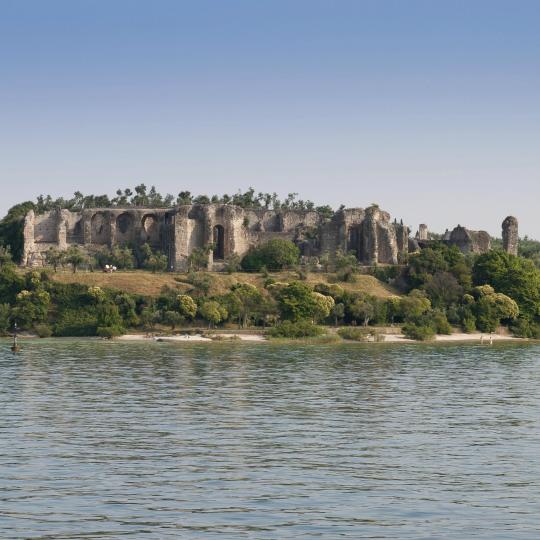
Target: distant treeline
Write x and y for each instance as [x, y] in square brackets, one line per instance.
[141, 196]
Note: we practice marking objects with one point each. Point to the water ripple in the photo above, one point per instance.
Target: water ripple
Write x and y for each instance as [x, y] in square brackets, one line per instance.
[112, 440]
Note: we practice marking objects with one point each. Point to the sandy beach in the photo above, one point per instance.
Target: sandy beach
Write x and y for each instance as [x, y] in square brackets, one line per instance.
[194, 337]
[258, 338]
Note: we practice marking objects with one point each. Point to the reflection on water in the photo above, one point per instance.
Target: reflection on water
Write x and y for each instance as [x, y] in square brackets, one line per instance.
[195, 441]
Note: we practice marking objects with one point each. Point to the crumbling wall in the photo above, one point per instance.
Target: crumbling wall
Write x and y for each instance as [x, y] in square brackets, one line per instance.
[469, 241]
[369, 233]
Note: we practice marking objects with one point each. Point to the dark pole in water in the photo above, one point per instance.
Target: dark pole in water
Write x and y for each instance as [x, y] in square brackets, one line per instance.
[15, 347]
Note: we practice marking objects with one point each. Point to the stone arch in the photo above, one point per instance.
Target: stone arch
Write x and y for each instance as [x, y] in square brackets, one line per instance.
[124, 227]
[219, 242]
[100, 229]
[150, 228]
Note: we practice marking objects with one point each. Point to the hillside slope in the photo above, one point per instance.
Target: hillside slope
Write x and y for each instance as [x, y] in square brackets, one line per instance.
[148, 284]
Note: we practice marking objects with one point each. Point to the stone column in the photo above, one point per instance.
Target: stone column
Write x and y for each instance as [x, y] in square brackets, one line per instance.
[510, 235]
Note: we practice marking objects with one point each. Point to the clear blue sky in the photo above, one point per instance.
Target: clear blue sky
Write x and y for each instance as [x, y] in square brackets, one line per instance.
[429, 108]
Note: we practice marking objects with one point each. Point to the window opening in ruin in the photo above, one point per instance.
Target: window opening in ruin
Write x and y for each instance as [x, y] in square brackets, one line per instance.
[219, 242]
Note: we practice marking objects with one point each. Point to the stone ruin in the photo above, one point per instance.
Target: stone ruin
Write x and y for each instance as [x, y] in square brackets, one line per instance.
[232, 230]
[469, 241]
[510, 236]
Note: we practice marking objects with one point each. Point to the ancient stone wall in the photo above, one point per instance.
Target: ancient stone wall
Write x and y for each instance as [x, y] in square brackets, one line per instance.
[368, 233]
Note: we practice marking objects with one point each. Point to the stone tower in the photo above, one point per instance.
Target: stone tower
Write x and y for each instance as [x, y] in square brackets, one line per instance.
[510, 235]
[422, 233]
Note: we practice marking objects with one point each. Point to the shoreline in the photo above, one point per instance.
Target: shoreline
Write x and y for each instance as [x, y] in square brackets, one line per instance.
[331, 338]
[218, 337]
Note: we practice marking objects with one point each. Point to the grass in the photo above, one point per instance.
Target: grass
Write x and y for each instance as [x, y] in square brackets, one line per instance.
[149, 284]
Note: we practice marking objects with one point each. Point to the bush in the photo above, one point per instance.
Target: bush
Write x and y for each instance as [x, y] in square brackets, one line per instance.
[417, 332]
[524, 328]
[5, 318]
[295, 330]
[75, 322]
[276, 254]
[110, 332]
[43, 330]
[441, 324]
[468, 324]
[354, 333]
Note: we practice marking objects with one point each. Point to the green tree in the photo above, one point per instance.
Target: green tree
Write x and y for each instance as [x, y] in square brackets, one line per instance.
[414, 305]
[127, 308]
[213, 312]
[363, 310]
[276, 254]
[186, 306]
[443, 289]
[491, 307]
[31, 307]
[513, 276]
[346, 265]
[172, 318]
[157, 262]
[109, 320]
[338, 312]
[75, 257]
[198, 259]
[54, 258]
[149, 317]
[323, 306]
[296, 301]
[243, 300]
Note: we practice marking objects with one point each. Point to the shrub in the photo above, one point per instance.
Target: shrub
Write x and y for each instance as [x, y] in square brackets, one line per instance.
[276, 254]
[5, 318]
[523, 327]
[233, 264]
[43, 330]
[110, 332]
[354, 333]
[417, 332]
[441, 324]
[295, 330]
[468, 324]
[76, 322]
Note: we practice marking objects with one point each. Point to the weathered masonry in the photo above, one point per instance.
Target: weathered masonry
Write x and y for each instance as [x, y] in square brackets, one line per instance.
[370, 233]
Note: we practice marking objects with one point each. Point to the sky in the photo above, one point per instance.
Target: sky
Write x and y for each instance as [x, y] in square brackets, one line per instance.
[428, 108]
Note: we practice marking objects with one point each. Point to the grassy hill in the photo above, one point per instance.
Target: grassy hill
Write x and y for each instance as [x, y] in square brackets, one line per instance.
[148, 284]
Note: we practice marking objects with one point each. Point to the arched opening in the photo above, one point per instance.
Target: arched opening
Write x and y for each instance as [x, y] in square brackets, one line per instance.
[124, 227]
[219, 242]
[100, 229]
[150, 226]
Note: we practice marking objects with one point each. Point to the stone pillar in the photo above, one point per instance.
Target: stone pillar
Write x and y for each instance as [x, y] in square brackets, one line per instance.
[63, 216]
[28, 236]
[87, 226]
[510, 235]
[111, 218]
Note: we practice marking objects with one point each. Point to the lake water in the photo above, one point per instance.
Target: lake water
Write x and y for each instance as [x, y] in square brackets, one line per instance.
[231, 441]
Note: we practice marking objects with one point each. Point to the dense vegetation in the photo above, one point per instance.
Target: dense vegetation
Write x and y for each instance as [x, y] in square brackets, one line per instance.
[475, 292]
[443, 289]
